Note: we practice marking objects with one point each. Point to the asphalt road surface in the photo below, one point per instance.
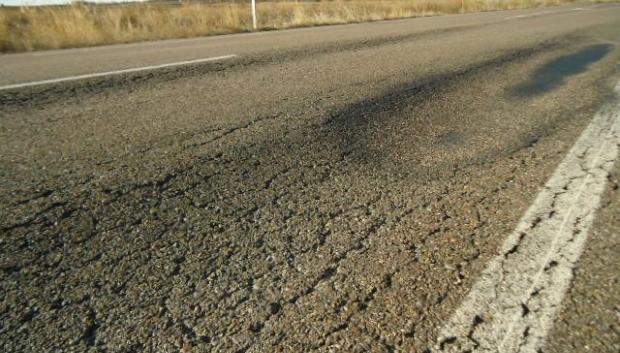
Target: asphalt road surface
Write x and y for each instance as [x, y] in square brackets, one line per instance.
[330, 189]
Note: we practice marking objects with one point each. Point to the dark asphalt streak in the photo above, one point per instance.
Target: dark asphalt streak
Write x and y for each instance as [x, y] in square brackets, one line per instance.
[357, 124]
[46, 94]
[554, 73]
[343, 201]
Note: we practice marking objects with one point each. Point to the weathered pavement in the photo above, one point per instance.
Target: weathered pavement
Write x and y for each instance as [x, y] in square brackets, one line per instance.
[588, 321]
[513, 304]
[340, 194]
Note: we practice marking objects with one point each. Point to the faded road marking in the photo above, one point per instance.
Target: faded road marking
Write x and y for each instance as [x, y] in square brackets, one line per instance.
[541, 13]
[512, 306]
[116, 72]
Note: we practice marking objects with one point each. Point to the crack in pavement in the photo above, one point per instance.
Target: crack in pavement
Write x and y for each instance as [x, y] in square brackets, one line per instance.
[511, 307]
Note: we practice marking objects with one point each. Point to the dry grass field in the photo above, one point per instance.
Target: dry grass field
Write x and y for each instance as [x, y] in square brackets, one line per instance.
[51, 27]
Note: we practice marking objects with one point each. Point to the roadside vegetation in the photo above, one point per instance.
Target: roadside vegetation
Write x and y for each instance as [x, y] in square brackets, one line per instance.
[82, 24]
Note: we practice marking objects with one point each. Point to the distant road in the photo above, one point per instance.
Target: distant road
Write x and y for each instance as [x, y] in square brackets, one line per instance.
[52, 64]
[443, 184]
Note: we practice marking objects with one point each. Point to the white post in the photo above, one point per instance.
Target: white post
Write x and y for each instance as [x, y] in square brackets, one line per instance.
[254, 13]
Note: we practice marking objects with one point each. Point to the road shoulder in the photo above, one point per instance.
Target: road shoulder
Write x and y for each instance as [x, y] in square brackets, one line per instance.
[588, 320]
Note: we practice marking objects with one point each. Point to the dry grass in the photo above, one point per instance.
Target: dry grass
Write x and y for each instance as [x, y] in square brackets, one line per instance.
[34, 28]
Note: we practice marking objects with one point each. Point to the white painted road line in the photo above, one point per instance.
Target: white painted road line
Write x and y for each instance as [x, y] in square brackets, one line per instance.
[116, 72]
[541, 13]
[511, 307]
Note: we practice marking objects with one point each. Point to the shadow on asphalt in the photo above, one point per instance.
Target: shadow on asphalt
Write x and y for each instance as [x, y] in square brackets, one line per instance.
[359, 130]
[553, 74]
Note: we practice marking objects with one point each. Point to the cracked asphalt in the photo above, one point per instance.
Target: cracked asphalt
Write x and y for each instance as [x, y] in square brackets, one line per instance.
[593, 301]
[336, 189]
[514, 302]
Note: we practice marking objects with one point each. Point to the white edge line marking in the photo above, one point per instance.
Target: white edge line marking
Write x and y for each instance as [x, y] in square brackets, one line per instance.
[115, 72]
[512, 305]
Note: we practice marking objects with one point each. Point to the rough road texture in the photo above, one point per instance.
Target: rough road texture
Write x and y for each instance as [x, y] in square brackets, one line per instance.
[336, 197]
[588, 321]
[513, 304]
